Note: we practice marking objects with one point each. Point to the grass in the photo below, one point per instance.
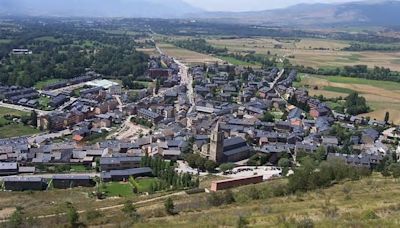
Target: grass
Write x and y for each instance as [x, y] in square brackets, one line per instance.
[44, 83]
[118, 189]
[316, 53]
[9, 129]
[371, 202]
[5, 41]
[338, 89]
[16, 130]
[238, 62]
[348, 80]
[124, 189]
[79, 168]
[381, 96]
[48, 38]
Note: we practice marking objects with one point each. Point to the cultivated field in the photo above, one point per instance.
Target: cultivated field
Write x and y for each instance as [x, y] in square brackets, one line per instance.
[382, 96]
[311, 52]
[187, 56]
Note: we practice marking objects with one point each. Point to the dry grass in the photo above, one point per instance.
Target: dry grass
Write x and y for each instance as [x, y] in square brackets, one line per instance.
[305, 53]
[187, 56]
[381, 97]
[342, 205]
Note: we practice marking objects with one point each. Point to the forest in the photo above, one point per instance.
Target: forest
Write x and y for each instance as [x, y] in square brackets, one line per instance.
[64, 51]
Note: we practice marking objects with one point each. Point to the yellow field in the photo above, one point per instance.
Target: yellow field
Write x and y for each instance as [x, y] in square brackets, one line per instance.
[187, 56]
[305, 52]
[380, 97]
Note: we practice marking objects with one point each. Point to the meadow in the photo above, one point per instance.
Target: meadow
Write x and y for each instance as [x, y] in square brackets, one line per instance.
[382, 96]
[187, 56]
[315, 53]
[10, 129]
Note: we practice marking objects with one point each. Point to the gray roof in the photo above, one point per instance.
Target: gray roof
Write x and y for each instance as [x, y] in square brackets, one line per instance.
[22, 179]
[8, 165]
[126, 172]
[71, 177]
[118, 160]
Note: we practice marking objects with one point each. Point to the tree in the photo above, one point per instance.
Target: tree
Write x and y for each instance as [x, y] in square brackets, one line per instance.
[34, 118]
[16, 218]
[72, 215]
[355, 104]
[284, 162]
[387, 117]
[130, 210]
[268, 117]
[226, 166]
[210, 166]
[169, 206]
[242, 222]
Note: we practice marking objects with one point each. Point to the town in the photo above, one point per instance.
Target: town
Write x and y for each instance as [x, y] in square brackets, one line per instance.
[228, 115]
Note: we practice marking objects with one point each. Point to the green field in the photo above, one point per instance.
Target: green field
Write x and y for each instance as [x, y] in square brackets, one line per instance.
[238, 62]
[4, 41]
[42, 84]
[8, 129]
[338, 89]
[48, 38]
[348, 80]
[124, 189]
[15, 130]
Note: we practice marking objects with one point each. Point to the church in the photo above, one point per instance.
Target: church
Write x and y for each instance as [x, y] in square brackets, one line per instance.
[223, 150]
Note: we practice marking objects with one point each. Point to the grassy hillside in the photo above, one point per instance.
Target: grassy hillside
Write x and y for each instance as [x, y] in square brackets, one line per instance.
[370, 202]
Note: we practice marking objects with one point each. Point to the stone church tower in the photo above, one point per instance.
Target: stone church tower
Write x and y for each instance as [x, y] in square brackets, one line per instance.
[217, 144]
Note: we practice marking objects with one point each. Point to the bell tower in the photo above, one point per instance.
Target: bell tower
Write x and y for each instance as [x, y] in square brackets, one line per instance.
[217, 144]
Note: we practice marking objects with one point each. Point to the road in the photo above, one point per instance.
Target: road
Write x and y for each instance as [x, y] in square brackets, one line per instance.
[23, 108]
[277, 78]
[42, 137]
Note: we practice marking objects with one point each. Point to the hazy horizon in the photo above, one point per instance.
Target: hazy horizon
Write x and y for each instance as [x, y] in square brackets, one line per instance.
[253, 5]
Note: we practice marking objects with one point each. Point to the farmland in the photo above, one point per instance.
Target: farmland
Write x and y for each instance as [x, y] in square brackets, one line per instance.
[310, 52]
[382, 96]
[187, 56]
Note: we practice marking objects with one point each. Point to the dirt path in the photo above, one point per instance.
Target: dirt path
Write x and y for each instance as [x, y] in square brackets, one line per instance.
[137, 204]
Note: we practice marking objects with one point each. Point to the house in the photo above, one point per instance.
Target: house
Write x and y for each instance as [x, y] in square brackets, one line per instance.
[8, 168]
[330, 141]
[70, 181]
[123, 175]
[119, 163]
[24, 184]
[231, 183]
[149, 115]
[369, 136]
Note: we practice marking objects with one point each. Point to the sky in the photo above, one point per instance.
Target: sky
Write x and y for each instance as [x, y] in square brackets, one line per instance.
[251, 5]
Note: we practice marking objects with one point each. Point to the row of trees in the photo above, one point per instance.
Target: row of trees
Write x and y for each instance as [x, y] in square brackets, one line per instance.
[356, 71]
[165, 171]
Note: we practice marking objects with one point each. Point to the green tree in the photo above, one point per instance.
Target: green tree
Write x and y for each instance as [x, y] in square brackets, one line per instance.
[268, 117]
[226, 166]
[387, 117]
[72, 215]
[16, 219]
[242, 222]
[130, 210]
[210, 166]
[169, 206]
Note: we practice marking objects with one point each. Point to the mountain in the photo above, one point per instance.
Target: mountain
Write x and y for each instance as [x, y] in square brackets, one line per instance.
[371, 13]
[98, 8]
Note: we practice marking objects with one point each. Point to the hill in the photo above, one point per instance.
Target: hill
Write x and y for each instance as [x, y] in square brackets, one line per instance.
[366, 13]
[97, 8]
